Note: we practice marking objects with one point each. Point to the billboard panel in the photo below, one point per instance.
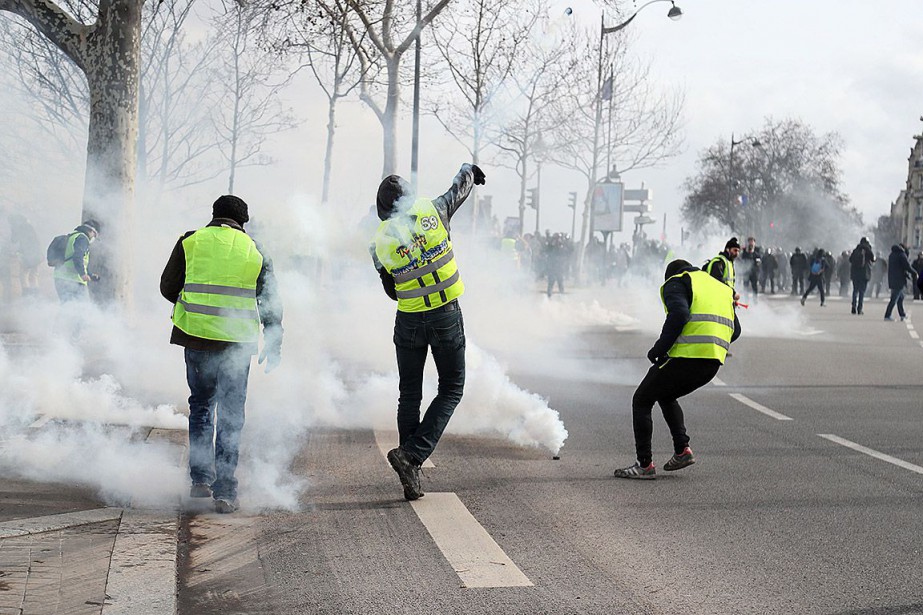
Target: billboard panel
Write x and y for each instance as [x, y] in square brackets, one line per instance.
[607, 207]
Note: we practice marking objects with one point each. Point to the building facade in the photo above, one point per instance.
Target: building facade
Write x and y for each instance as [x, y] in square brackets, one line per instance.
[907, 210]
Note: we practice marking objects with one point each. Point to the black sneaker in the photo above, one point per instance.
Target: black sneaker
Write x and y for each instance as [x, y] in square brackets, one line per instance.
[635, 471]
[408, 472]
[678, 462]
[200, 490]
[225, 506]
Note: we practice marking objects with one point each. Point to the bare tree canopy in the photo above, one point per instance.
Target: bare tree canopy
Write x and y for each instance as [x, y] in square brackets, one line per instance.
[784, 185]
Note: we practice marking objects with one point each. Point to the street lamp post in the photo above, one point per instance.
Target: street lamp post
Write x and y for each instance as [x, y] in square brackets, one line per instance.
[415, 139]
[674, 13]
[754, 142]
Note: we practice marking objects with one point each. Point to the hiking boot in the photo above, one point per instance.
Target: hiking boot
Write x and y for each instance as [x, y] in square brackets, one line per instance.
[678, 462]
[200, 490]
[408, 472]
[637, 472]
[853, 311]
[802, 301]
[225, 506]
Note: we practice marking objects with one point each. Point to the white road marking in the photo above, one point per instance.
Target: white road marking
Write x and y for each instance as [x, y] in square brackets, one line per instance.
[718, 382]
[476, 557]
[872, 453]
[760, 407]
[41, 421]
[142, 570]
[53, 523]
[386, 440]
[914, 334]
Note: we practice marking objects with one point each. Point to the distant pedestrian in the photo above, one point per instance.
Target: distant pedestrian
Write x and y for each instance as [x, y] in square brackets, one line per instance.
[751, 260]
[799, 267]
[223, 287]
[699, 328]
[721, 267]
[842, 272]
[898, 270]
[72, 275]
[768, 272]
[816, 271]
[917, 265]
[26, 249]
[879, 273]
[860, 272]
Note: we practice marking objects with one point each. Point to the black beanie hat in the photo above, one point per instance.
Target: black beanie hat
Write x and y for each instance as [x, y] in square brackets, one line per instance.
[230, 206]
[390, 191]
[675, 267]
[732, 243]
[92, 224]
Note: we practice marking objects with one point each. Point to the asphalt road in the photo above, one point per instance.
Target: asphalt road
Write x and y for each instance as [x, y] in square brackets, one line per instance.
[774, 518]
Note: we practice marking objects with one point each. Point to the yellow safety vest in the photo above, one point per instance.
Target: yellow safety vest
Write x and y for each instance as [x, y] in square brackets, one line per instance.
[414, 247]
[707, 334]
[728, 269]
[218, 300]
[68, 269]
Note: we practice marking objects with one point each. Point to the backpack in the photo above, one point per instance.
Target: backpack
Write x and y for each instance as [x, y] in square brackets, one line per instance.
[816, 266]
[857, 258]
[56, 249]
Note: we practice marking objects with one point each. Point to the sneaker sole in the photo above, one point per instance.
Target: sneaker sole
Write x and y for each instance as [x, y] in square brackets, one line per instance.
[636, 476]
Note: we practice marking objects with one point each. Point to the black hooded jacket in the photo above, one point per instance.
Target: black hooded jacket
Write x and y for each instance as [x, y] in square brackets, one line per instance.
[677, 297]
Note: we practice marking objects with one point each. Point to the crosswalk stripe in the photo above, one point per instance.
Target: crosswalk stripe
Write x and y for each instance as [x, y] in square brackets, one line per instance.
[872, 453]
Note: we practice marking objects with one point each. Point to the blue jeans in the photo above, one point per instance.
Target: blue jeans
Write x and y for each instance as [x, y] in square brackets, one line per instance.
[897, 296]
[217, 385]
[858, 293]
[443, 331]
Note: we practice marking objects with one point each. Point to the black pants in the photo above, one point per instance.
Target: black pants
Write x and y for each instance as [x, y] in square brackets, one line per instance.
[664, 384]
[817, 282]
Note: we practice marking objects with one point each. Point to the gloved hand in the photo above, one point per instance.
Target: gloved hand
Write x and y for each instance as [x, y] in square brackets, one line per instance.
[479, 177]
[272, 348]
[655, 357]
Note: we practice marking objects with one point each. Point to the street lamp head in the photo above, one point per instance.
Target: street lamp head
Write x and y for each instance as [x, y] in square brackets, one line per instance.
[675, 12]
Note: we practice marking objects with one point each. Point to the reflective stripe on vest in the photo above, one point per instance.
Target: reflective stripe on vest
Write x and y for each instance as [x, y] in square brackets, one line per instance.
[414, 247]
[218, 300]
[68, 269]
[728, 269]
[707, 334]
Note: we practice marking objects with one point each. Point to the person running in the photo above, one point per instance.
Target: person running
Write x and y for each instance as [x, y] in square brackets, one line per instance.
[700, 325]
[816, 271]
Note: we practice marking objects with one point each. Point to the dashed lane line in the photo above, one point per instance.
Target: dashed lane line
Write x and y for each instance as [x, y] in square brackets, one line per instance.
[760, 407]
[914, 334]
[718, 382]
[872, 453]
[474, 555]
[386, 440]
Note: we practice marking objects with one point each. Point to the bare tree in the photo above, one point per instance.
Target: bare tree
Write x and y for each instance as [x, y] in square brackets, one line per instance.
[645, 123]
[479, 42]
[107, 51]
[246, 98]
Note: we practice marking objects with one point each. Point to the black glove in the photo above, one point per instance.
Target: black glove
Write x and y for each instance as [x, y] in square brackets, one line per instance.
[479, 176]
[654, 356]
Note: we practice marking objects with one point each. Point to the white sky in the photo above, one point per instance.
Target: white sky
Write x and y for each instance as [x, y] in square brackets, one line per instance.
[849, 66]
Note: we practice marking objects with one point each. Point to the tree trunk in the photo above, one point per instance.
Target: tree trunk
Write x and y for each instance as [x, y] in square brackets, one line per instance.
[328, 151]
[112, 54]
[389, 120]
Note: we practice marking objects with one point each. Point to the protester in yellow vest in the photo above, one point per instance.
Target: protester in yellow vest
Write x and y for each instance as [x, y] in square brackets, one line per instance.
[699, 328]
[721, 267]
[72, 275]
[223, 287]
[413, 254]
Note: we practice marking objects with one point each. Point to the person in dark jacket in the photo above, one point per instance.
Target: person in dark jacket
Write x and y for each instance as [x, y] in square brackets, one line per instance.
[413, 254]
[816, 271]
[799, 266]
[879, 273]
[223, 287]
[73, 274]
[842, 272]
[692, 346]
[829, 270]
[768, 271]
[898, 270]
[917, 265]
[860, 272]
[750, 262]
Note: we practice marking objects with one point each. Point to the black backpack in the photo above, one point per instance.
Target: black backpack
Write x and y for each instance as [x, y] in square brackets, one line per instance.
[56, 250]
[857, 258]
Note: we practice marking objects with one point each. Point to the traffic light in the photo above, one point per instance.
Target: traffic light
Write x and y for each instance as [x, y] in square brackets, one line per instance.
[572, 200]
[532, 198]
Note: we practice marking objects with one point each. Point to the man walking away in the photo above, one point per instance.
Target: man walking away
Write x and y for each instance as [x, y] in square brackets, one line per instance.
[699, 329]
[860, 272]
[223, 288]
[412, 252]
[898, 270]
